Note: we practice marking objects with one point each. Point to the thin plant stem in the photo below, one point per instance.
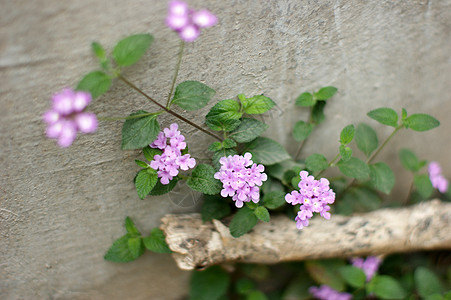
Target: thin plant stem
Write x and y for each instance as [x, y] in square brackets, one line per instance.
[406, 201]
[167, 109]
[330, 164]
[177, 68]
[129, 117]
[298, 151]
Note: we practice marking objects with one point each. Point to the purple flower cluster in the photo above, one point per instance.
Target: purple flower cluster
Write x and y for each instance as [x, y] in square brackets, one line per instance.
[325, 292]
[187, 22]
[370, 265]
[67, 116]
[437, 179]
[314, 196]
[241, 178]
[168, 163]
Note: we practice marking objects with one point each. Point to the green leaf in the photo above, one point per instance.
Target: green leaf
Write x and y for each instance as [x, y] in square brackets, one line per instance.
[145, 182]
[96, 83]
[221, 153]
[228, 143]
[354, 168]
[214, 207]
[318, 112]
[192, 95]
[404, 114]
[326, 272]
[426, 282]
[421, 122]
[256, 295]
[366, 139]
[382, 177]
[423, 185]
[257, 105]
[305, 100]
[409, 160]
[130, 49]
[139, 132]
[358, 199]
[262, 213]
[150, 152]
[141, 163]
[101, 54]
[325, 93]
[355, 277]
[202, 180]
[210, 284]
[215, 146]
[243, 221]
[248, 130]
[316, 162]
[347, 134]
[251, 205]
[345, 152]
[136, 247]
[156, 241]
[119, 251]
[384, 115]
[161, 189]
[266, 151]
[244, 286]
[131, 228]
[274, 199]
[224, 116]
[302, 130]
[385, 287]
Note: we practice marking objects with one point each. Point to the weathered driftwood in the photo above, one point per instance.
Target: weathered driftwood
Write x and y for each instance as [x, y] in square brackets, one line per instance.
[421, 227]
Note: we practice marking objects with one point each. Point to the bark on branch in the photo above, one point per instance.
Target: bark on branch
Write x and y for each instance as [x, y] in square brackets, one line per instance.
[197, 245]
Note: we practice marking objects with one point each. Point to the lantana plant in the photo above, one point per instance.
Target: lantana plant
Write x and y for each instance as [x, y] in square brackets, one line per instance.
[249, 177]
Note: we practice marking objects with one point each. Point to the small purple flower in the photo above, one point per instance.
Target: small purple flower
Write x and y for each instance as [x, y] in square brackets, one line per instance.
[437, 179]
[325, 292]
[171, 160]
[369, 266]
[187, 22]
[241, 178]
[67, 116]
[314, 196]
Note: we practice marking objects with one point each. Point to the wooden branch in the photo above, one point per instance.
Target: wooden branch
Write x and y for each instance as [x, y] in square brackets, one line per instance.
[197, 245]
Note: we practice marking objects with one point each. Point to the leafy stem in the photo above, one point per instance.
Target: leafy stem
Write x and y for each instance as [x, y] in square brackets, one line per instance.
[301, 146]
[177, 68]
[167, 109]
[330, 164]
[384, 144]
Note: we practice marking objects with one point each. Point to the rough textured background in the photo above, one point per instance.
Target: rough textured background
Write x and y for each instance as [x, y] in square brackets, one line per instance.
[60, 210]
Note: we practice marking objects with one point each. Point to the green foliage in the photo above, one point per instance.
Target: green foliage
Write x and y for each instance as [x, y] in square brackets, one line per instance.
[215, 146]
[101, 54]
[358, 199]
[257, 105]
[347, 134]
[131, 228]
[266, 151]
[305, 100]
[302, 130]
[243, 221]
[244, 286]
[355, 277]
[274, 199]
[248, 130]
[136, 246]
[121, 252]
[161, 189]
[150, 152]
[141, 163]
[423, 185]
[384, 115]
[355, 168]
[366, 139]
[410, 161]
[96, 83]
[130, 49]
[210, 284]
[385, 287]
[318, 112]
[427, 283]
[325, 93]
[256, 295]
[262, 213]
[345, 153]
[421, 122]
[382, 177]
[202, 180]
[326, 272]
[224, 116]
[140, 131]
[316, 162]
[228, 143]
[192, 95]
[156, 242]
[214, 207]
[145, 181]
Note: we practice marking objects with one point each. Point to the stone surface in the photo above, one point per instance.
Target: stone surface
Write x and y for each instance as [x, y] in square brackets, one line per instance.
[60, 210]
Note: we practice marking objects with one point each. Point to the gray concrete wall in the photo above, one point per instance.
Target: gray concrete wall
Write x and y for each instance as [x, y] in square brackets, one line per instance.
[60, 210]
